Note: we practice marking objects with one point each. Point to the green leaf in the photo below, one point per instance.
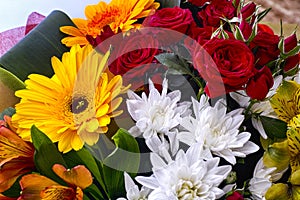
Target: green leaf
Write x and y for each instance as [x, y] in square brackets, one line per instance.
[125, 157]
[262, 14]
[274, 128]
[33, 53]
[14, 190]
[94, 192]
[9, 83]
[168, 3]
[176, 65]
[83, 156]
[8, 111]
[46, 155]
[10, 80]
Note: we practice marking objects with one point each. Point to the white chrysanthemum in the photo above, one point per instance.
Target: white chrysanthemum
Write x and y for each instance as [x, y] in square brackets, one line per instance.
[157, 115]
[261, 181]
[218, 130]
[190, 176]
[263, 108]
[132, 190]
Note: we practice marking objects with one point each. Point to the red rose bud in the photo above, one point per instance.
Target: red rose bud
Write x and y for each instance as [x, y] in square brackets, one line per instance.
[265, 46]
[198, 3]
[290, 43]
[212, 14]
[235, 196]
[245, 28]
[260, 84]
[248, 10]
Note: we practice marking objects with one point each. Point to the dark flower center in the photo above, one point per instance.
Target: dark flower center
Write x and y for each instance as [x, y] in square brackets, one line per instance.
[78, 105]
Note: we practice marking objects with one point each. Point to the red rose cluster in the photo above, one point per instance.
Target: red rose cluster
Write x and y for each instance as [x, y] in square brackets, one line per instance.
[244, 51]
[240, 53]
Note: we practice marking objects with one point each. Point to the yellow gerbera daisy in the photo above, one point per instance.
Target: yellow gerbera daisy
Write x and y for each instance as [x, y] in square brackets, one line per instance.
[117, 14]
[75, 105]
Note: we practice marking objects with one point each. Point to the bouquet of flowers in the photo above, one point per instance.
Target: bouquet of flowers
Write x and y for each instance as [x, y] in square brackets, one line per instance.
[145, 99]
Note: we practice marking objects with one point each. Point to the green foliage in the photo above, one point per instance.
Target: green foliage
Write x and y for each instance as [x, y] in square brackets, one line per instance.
[274, 127]
[125, 157]
[33, 53]
[10, 80]
[46, 154]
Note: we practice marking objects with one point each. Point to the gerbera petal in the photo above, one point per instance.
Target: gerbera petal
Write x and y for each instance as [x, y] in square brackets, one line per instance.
[119, 15]
[63, 111]
[71, 30]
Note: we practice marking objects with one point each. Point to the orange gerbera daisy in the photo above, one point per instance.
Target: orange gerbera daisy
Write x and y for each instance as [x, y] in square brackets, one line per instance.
[118, 14]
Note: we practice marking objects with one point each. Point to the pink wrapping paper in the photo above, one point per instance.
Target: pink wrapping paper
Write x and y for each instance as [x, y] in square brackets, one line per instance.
[11, 37]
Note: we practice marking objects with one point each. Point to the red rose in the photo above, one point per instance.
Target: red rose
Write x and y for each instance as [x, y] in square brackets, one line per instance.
[235, 196]
[176, 18]
[198, 3]
[265, 46]
[228, 64]
[260, 84]
[212, 14]
[134, 59]
[290, 43]
[202, 35]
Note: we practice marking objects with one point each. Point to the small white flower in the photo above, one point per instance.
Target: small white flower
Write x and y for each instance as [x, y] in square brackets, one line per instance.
[261, 180]
[157, 115]
[132, 190]
[192, 175]
[262, 108]
[218, 130]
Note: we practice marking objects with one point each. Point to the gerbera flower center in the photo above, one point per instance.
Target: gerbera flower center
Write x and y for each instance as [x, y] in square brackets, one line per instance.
[187, 189]
[79, 104]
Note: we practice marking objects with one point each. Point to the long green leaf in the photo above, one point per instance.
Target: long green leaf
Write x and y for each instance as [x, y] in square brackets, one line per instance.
[33, 53]
[46, 154]
[126, 157]
[83, 156]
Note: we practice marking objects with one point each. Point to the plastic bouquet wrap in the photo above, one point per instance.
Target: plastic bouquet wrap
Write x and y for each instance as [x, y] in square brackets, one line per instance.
[145, 99]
